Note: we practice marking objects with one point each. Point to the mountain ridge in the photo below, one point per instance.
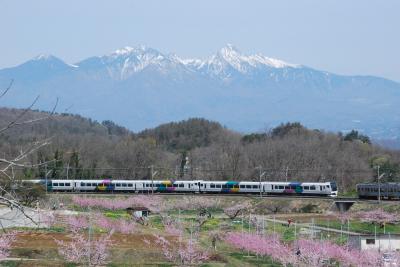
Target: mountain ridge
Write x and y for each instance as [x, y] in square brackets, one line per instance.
[140, 87]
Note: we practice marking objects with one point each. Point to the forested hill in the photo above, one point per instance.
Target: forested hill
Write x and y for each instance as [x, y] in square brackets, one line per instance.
[191, 149]
[186, 135]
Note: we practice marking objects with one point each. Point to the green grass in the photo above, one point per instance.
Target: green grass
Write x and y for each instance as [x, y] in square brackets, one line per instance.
[156, 222]
[11, 263]
[253, 260]
[211, 224]
[117, 214]
[361, 227]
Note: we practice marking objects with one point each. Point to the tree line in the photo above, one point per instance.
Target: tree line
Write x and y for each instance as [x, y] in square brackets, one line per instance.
[195, 149]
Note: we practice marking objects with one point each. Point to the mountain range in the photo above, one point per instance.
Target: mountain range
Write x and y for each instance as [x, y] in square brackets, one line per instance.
[140, 87]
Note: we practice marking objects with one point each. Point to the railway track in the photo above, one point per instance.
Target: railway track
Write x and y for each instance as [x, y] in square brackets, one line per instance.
[264, 196]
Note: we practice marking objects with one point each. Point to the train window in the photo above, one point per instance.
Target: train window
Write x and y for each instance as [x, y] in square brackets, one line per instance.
[82, 184]
[255, 186]
[130, 185]
[287, 187]
[218, 186]
[281, 187]
[61, 184]
[123, 185]
[67, 184]
[118, 184]
[181, 185]
[312, 187]
[212, 185]
[242, 186]
[248, 186]
[306, 187]
[55, 184]
[236, 186]
[230, 185]
[370, 241]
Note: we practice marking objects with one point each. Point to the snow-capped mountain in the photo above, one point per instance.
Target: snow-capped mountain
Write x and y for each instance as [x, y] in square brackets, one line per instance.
[141, 87]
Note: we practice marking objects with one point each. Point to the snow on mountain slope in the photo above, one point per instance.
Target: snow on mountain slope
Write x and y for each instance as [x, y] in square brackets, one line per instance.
[141, 87]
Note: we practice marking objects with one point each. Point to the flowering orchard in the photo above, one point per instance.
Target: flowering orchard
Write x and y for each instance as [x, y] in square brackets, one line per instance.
[180, 249]
[82, 249]
[305, 252]
[153, 203]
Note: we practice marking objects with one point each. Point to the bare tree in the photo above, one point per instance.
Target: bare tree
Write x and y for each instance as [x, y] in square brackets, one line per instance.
[8, 163]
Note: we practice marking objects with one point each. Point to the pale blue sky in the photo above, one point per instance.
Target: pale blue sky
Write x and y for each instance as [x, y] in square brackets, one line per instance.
[341, 36]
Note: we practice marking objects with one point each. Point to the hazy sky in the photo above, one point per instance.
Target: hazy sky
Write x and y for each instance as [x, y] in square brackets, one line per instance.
[341, 36]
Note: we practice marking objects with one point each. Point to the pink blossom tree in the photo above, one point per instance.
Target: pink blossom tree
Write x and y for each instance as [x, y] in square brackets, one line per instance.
[378, 216]
[6, 240]
[184, 253]
[233, 211]
[303, 252]
[344, 217]
[82, 250]
[268, 245]
[118, 225]
[153, 203]
[177, 248]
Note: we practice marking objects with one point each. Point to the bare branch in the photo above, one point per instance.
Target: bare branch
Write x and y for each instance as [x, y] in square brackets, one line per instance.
[16, 123]
[8, 88]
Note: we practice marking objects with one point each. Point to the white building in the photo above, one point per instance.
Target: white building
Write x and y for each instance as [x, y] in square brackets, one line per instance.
[388, 242]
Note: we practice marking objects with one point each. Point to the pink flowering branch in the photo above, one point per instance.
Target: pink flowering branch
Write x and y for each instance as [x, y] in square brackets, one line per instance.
[82, 250]
[378, 216]
[153, 203]
[6, 240]
[304, 252]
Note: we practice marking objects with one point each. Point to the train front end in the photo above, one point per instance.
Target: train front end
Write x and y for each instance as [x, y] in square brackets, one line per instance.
[334, 189]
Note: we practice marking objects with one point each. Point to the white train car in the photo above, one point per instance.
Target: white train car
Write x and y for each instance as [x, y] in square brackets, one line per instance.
[164, 186]
[297, 188]
[61, 185]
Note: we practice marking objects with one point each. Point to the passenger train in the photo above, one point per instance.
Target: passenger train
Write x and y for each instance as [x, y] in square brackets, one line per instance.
[197, 186]
[374, 190]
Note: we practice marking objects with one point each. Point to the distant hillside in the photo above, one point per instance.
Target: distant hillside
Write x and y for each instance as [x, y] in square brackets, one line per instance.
[193, 149]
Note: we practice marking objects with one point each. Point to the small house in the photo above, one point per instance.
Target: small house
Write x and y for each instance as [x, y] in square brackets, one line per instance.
[138, 212]
[381, 242]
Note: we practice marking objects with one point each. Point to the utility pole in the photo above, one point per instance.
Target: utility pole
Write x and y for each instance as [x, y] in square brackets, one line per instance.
[286, 172]
[67, 169]
[379, 183]
[260, 175]
[379, 187]
[152, 174]
[45, 176]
